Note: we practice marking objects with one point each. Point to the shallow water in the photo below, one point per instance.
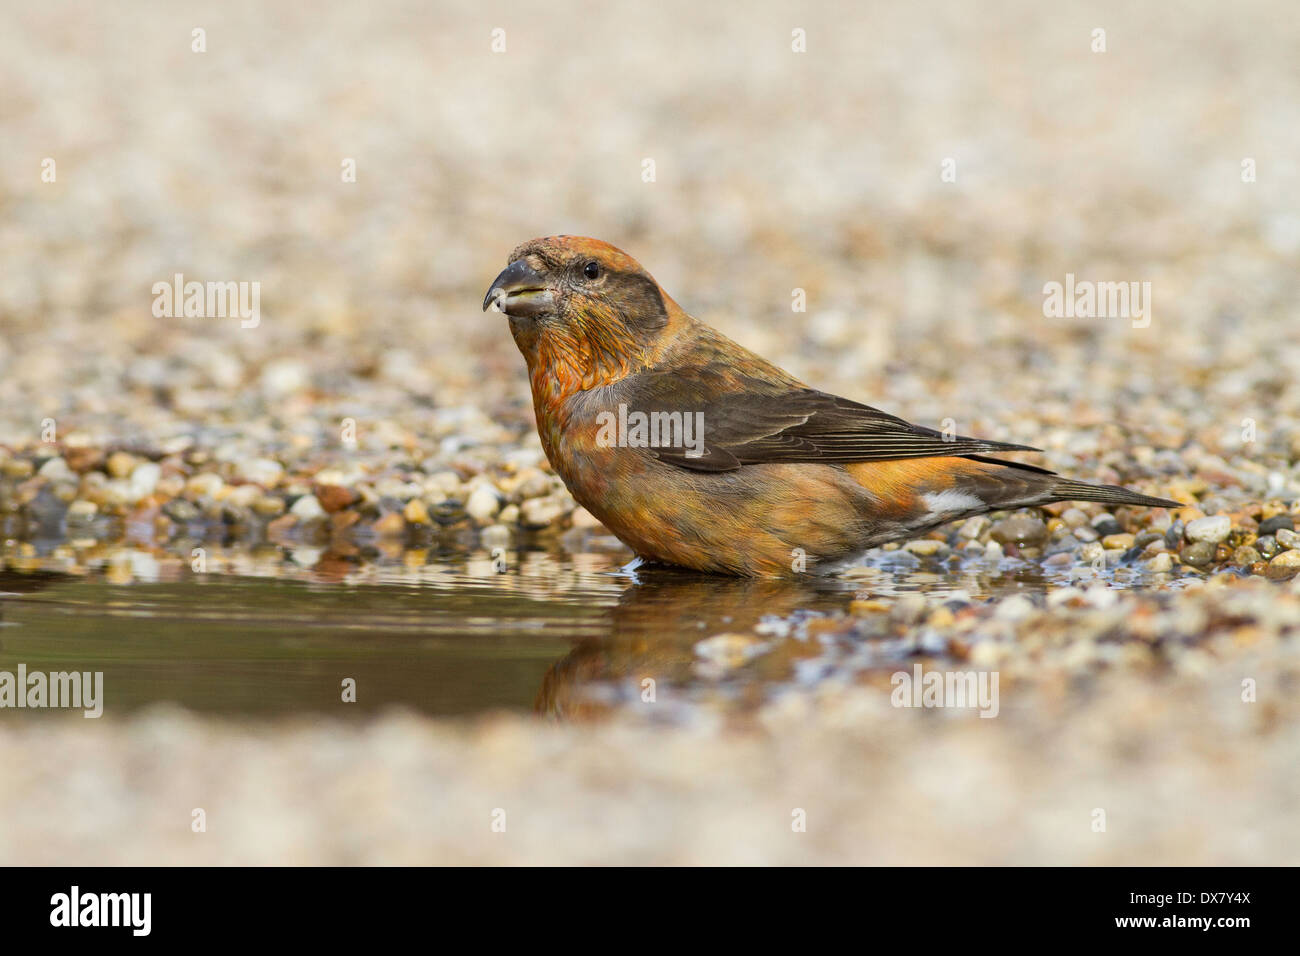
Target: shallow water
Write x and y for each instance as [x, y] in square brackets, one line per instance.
[275, 633]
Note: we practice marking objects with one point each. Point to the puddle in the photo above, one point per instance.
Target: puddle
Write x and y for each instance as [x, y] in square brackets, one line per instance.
[564, 634]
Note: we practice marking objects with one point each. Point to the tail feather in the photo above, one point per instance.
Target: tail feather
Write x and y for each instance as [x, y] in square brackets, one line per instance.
[1067, 490]
[1031, 485]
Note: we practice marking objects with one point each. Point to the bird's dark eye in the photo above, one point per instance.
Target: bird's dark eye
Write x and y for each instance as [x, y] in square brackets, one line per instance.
[591, 270]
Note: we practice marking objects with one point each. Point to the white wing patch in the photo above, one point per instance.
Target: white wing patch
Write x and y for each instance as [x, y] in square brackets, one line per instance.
[951, 502]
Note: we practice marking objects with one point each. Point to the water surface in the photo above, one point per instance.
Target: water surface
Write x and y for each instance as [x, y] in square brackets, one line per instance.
[272, 634]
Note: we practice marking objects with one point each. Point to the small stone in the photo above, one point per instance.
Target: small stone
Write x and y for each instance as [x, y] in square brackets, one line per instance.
[82, 459]
[239, 496]
[1212, 529]
[335, 497]
[448, 482]
[1288, 540]
[973, 528]
[925, 547]
[268, 506]
[416, 512]
[1121, 542]
[530, 483]
[263, 471]
[908, 609]
[1198, 555]
[390, 525]
[1075, 517]
[1092, 552]
[204, 483]
[1245, 556]
[120, 464]
[483, 504]
[864, 606]
[17, 468]
[1020, 529]
[144, 479]
[283, 377]
[280, 527]
[82, 510]
[181, 511]
[1275, 524]
[1015, 608]
[941, 619]
[448, 512]
[307, 508]
[1105, 524]
[542, 512]
[1160, 563]
[1285, 565]
[56, 469]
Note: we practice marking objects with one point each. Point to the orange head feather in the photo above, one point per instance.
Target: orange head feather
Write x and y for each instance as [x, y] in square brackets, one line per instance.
[584, 313]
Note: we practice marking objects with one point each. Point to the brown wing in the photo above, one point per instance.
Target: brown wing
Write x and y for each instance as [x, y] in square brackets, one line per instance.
[748, 421]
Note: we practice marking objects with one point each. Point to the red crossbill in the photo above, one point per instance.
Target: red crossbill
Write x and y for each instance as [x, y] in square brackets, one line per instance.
[695, 451]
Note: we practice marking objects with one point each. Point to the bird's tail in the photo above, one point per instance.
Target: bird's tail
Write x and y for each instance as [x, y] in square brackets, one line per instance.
[1016, 485]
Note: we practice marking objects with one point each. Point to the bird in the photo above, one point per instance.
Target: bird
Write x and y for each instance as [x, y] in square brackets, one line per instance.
[696, 452]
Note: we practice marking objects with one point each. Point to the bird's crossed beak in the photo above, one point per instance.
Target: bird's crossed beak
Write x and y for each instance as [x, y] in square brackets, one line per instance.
[519, 291]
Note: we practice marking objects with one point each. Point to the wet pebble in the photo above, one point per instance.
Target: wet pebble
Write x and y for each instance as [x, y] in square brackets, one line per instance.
[1245, 556]
[1160, 563]
[1285, 565]
[120, 464]
[144, 479]
[1105, 525]
[55, 469]
[538, 513]
[1276, 523]
[1019, 529]
[1198, 555]
[483, 504]
[1287, 539]
[416, 512]
[974, 528]
[926, 547]
[264, 471]
[1210, 530]
[307, 508]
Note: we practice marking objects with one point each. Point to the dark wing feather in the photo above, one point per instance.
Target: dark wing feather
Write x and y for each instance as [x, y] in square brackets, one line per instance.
[751, 421]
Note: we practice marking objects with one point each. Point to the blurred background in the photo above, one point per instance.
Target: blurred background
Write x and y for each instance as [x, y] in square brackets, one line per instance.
[773, 170]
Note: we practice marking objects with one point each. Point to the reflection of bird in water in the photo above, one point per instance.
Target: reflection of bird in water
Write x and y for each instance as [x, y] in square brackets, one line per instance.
[25, 583]
[654, 629]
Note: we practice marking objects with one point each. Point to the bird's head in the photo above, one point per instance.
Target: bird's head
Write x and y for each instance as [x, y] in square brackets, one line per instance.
[580, 310]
